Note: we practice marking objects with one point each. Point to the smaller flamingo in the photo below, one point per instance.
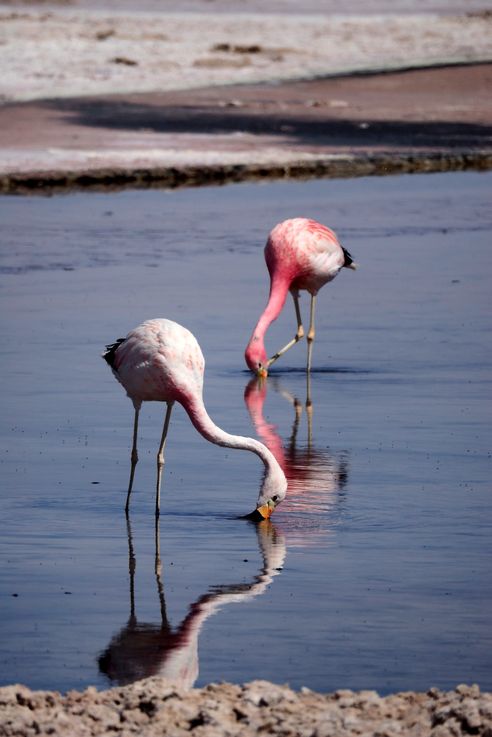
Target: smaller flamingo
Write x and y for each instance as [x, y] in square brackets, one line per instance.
[161, 361]
[300, 254]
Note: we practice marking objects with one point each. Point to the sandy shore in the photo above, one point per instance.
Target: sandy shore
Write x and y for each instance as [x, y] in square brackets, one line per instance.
[153, 707]
[346, 126]
[98, 99]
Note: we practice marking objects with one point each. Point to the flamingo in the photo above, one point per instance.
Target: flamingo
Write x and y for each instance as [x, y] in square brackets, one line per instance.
[161, 361]
[300, 254]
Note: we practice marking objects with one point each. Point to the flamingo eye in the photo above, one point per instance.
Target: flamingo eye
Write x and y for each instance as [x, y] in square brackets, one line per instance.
[274, 498]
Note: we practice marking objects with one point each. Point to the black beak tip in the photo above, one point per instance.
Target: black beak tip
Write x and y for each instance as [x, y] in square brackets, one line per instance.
[253, 516]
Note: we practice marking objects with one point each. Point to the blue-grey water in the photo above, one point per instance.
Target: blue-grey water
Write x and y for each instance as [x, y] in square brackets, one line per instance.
[376, 571]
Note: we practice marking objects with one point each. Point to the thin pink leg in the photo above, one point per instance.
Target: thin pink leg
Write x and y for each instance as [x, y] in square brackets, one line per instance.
[160, 458]
[296, 338]
[134, 459]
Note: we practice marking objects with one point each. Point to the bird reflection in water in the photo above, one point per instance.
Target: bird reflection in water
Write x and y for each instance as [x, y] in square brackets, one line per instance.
[141, 649]
[316, 477]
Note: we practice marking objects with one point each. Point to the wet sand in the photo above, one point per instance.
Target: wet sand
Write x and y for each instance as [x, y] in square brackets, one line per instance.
[235, 103]
[343, 126]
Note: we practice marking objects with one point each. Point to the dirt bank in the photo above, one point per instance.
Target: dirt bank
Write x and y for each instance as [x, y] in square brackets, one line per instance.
[338, 127]
[153, 707]
[184, 99]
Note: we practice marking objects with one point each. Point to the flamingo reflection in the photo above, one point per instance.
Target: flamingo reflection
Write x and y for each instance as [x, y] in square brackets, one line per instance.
[141, 649]
[316, 477]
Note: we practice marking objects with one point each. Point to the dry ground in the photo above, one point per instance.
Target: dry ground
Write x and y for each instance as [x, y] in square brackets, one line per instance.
[153, 707]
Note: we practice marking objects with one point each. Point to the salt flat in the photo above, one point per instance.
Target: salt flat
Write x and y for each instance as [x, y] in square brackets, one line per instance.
[66, 52]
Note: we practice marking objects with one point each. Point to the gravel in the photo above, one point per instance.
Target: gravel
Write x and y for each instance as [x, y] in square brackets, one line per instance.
[155, 707]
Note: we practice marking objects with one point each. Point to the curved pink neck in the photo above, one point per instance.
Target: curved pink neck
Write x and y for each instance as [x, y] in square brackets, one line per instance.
[276, 300]
[212, 432]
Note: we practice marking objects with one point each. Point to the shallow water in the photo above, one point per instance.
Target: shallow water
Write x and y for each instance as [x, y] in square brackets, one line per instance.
[375, 572]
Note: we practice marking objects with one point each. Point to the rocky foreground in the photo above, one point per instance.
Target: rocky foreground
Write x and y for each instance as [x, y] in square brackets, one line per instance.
[154, 707]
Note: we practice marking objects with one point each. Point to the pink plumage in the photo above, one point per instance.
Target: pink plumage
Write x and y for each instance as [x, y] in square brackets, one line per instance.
[300, 254]
[161, 361]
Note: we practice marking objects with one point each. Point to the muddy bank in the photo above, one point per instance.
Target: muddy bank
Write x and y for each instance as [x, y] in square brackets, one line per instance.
[336, 127]
[154, 707]
[97, 99]
[339, 167]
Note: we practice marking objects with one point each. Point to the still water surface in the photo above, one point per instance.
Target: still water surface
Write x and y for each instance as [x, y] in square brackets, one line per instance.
[376, 571]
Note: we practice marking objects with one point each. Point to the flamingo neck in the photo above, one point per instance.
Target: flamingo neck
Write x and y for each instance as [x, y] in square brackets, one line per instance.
[274, 483]
[276, 300]
[200, 418]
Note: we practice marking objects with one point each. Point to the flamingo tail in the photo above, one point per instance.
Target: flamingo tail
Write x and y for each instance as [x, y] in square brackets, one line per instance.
[110, 351]
[349, 262]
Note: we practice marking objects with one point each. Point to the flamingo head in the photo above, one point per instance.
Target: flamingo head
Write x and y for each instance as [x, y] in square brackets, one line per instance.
[266, 506]
[265, 510]
[269, 502]
[272, 492]
[256, 357]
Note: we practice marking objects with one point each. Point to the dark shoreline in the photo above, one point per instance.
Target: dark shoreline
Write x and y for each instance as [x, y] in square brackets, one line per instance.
[340, 167]
[411, 121]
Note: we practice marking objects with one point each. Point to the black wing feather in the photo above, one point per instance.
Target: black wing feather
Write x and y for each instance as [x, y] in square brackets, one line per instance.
[111, 349]
[348, 258]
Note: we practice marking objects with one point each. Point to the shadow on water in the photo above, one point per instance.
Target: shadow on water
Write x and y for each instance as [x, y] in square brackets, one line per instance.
[143, 649]
[316, 477]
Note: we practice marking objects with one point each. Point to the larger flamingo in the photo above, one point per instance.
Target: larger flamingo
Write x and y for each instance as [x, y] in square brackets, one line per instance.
[161, 361]
[300, 254]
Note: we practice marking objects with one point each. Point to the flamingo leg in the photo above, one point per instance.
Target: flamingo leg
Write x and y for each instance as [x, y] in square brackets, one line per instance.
[309, 409]
[311, 333]
[297, 337]
[160, 457]
[134, 459]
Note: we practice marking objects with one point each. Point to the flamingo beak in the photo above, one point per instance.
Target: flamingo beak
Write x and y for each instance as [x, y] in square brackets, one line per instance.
[265, 510]
[262, 373]
[261, 513]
